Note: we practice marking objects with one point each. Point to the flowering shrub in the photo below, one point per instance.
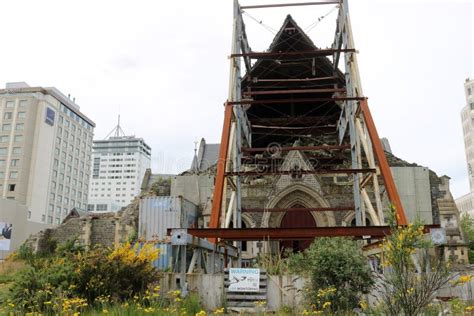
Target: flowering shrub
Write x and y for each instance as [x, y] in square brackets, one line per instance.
[72, 279]
[120, 273]
[412, 277]
[338, 271]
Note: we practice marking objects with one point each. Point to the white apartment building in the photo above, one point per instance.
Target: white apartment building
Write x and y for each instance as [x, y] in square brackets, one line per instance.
[45, 150]
[466, 202]
[118, 166]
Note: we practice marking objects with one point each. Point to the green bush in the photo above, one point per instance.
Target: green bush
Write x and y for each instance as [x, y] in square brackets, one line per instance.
[74, 278]
[338, 270]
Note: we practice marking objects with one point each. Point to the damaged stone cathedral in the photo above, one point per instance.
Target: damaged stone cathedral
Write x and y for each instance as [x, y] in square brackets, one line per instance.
[424, 195]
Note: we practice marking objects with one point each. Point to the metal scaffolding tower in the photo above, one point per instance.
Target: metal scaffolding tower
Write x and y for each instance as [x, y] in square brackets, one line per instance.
[271, 81]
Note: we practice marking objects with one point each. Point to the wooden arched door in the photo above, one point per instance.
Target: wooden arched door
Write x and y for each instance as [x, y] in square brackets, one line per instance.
[296, 220]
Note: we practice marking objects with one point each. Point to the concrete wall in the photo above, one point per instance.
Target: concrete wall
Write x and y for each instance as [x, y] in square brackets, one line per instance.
[282, 290]
[285, 290]
[16, 214]
[413, 185]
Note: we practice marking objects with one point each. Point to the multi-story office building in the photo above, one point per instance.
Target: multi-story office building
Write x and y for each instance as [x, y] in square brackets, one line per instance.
[45, 150]
[118, 166]
[466, 202]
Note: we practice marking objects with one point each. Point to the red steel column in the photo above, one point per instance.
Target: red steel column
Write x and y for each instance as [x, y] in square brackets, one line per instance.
[220, 176]
[383, 164]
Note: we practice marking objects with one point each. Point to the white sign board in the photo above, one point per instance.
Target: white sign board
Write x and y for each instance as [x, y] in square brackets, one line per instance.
[5, 235]
[244, 280]
[438, 236]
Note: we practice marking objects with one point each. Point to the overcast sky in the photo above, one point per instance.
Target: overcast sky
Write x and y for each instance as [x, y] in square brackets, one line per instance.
[163, 65]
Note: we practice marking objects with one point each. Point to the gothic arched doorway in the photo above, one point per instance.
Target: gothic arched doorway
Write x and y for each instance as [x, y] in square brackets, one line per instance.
[296, 220]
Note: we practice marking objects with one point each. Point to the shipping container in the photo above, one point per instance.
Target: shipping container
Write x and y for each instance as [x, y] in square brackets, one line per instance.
[159, 213]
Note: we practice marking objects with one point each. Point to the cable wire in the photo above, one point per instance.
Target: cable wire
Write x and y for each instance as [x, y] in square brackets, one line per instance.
[265, 26]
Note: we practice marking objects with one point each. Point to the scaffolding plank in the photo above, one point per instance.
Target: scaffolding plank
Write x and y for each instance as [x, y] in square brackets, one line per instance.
[291, 101]
[291, 54]
[249, 234]
[298, 209]
[294, 91]
[279, 5]
[291, 172]
[301, 148]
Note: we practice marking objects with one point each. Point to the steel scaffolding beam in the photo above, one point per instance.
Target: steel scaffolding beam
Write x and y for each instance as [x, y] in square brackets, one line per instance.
[354, 131]
[262, 234]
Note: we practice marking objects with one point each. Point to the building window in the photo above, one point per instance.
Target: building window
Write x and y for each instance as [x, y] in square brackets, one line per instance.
[11, 187]
[8, 115]
[3, 150]
[2, 174]
[10, 104]
[469, 91]
[6, 127]
[17, 150]
[3, 139]
[2, 162]
[18, 138]
[101, 207]
[23, 103]
[21, 115]
[13, 174]
[20, 127]
[15, 162]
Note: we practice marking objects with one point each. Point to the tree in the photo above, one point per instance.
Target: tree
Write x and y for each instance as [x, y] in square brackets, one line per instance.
[339, 273]
[467, 227]
[412, 277]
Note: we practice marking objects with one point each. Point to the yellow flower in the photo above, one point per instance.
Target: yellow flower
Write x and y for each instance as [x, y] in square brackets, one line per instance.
[201, 313]
[219, 311]
[104, 311]
[469, 308]
[326, 305]
[363, 304]
[465, 278]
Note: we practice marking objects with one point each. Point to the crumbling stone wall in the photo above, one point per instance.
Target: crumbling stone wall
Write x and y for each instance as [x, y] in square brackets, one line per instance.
[92, 229]
[103, 232]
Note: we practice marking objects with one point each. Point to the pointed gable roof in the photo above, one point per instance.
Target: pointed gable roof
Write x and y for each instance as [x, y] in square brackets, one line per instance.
[291, 80]
[292, 38]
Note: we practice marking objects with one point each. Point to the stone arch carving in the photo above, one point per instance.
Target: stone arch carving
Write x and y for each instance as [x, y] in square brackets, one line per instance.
[248, 220]
[350, 216]
[297, 194]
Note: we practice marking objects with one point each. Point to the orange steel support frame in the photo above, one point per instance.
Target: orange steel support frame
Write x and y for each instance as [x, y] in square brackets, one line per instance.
[383, 163]
[343, 43]
[221, 165]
